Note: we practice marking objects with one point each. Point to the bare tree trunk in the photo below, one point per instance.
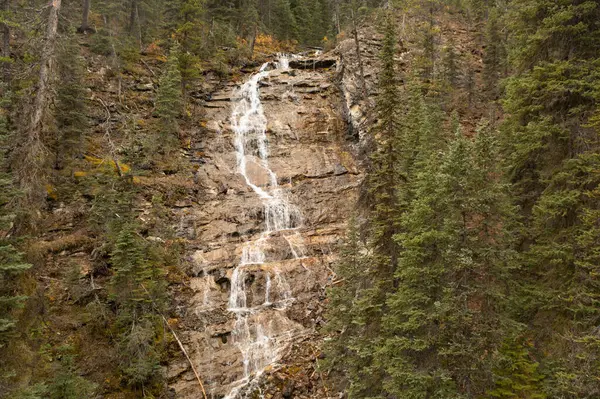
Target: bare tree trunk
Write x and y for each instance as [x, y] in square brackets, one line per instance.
[6, 68]
[31, 169]
[337, 17]
[358, 57]
[132, 16]
[134, 20]
[85, 25]
[139, 26]
[253, 41]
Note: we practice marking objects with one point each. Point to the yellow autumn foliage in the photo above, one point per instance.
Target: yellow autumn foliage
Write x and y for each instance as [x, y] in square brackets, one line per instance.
[108, 164]
[51, 192]
[267, 44]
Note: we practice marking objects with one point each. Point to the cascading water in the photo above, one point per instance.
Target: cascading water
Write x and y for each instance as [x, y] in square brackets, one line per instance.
[259, 331]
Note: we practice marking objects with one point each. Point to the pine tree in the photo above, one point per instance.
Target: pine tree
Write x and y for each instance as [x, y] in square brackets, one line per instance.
[445, 318]
[169, 100]
[551, 153]
[517, 374]
[70, 110]
[383, 184]
[494, 56]
[138, 291]
[12, 264]
[565, 257]
[343, 294]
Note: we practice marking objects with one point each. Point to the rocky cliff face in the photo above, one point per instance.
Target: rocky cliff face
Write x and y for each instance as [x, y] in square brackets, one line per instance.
[241, 311]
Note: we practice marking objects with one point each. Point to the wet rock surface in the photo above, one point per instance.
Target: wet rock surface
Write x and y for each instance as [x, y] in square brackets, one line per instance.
[317, 171]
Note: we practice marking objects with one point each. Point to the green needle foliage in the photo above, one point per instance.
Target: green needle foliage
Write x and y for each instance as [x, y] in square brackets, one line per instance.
[350, 281]
[383, 180]
[517, 374]
[70, 109]
[139, 293]
[169, 99]
[12, 264]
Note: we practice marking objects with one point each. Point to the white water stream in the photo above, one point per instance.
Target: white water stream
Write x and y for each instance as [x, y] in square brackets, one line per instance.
[261, 330]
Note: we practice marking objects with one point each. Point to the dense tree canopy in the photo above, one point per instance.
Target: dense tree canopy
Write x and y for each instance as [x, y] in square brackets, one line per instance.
[471, 267]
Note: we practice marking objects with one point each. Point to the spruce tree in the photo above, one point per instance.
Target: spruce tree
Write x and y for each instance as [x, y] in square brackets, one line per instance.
[11, 260]
[368, 279]
[281, 22]
[186, 22]
[341, 310]
[517, 374]
[450, 65]
[565, 260]
[551, 151]
[70, 111]
[445, 318]
[383, 183]
[494, 57]
[11, 266]
[12, 263]
[67, 383]
[169, 100]
[549, 95]
[138, 291]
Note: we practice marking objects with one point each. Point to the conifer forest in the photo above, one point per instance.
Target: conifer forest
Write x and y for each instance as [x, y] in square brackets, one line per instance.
[309, 199]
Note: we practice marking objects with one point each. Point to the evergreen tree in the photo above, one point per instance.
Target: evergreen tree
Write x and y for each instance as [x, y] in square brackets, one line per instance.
[309, 18]
[281, 21]
[341, 311]
[383, 183]
[565, 259]
[138, 291]
[551, 93]
[169, 102]
[417, 278]
[552, 156]
[494, 56]
[426, 61]
[445, 318]
[186, 20]
[11, 260]
[12, 264]
[68, 384]
[366, 307]
[450, 65]
[517, 374]
[70, 110]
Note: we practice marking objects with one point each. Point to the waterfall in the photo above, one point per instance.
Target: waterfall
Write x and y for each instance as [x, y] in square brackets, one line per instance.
[260, 332]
